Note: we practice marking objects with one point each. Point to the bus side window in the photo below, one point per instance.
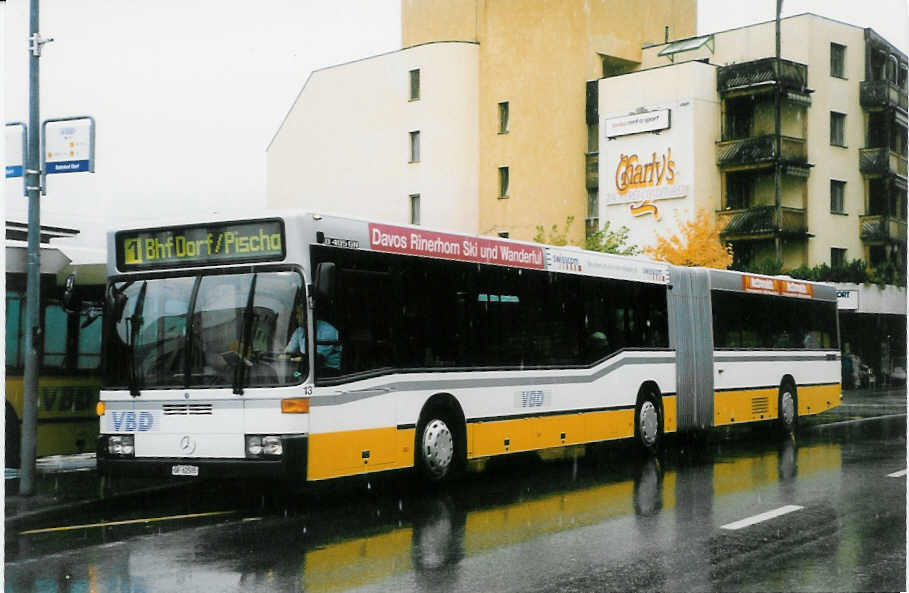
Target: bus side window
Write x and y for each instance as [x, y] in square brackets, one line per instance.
[89, 354]
[56, 323]
[15, 321]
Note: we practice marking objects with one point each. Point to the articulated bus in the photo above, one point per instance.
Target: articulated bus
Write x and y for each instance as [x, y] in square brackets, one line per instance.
[308, 347]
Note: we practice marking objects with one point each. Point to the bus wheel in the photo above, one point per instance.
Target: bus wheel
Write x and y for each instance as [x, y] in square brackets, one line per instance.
[648, 423]
[12, 437]
[788, 408]
[436, 447]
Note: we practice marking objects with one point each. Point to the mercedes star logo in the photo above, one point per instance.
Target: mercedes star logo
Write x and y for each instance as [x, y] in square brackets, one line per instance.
[187, 445]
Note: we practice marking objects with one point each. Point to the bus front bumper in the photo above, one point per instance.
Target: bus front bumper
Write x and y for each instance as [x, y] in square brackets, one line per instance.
[291, 466]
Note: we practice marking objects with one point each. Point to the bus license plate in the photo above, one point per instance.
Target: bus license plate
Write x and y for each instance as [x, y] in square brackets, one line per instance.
[185, 470]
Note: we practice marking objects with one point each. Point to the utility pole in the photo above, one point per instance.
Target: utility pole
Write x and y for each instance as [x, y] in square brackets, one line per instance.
[778, 131]
[33, 185]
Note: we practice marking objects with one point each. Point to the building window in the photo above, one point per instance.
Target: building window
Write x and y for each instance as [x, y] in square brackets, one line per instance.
[414, 208]
[837, 129]
[503, 182]
[738, 191]
[503, 235]
[593, 211]
[415, 146]
[415, 85]
[503, 117]
[837, 196]
[837, 257]
[837, 60]
[593, 137]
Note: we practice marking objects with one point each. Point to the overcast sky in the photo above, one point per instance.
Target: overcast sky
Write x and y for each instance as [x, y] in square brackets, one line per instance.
[188, 93]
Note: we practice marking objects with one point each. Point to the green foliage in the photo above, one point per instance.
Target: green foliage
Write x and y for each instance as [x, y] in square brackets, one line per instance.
[604, 240]
[768, 267]
[855, 272]
[555, 236]
[609, 241]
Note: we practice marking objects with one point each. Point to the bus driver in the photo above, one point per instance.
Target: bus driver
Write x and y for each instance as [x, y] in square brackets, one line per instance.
[328, 342]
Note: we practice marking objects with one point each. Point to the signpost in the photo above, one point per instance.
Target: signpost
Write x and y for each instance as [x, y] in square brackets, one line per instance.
[70, 161]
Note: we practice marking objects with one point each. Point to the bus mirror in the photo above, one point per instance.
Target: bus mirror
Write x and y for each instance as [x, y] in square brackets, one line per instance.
[72, 300]
[325, 281]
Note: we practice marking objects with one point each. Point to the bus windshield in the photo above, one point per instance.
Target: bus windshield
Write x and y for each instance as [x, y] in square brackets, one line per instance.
[215, 330]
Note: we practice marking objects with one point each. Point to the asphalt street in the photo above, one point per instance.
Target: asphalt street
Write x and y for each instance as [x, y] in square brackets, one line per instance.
[744, 510]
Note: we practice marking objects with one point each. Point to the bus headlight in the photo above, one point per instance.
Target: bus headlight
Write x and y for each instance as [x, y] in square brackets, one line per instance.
[272, 446]
[264, 446]
[121, 445]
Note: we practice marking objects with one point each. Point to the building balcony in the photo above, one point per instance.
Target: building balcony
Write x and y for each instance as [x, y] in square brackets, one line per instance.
[881, 161]
[881, 227]
[883, 93]
[760, 75]
[592, 166]
[760, 151]
[762, 222]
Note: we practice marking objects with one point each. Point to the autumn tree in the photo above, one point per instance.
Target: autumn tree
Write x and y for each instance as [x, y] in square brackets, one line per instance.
[697, 243]
[605, 240]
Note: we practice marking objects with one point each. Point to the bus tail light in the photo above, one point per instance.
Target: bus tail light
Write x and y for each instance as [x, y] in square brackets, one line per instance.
[100, 408]
[298, 405]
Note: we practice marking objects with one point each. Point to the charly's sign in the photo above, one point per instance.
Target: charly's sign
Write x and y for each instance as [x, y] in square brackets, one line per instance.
[641, 180]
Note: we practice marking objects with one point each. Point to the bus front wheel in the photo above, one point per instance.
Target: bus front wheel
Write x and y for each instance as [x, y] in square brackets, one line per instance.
[438, 448]
[788, 408]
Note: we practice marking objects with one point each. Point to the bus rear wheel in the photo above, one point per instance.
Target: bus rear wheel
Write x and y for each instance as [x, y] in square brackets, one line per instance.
[648, 422]
[437, 447]
[788, 409]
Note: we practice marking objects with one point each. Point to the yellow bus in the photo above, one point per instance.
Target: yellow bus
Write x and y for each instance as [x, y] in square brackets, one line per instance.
[69, 347]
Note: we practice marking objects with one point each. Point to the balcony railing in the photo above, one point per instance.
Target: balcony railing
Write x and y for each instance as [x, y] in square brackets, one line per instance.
[761, 73]
[881, 161]
[760, 150]
[762, 222]
[881, 227]
[592, 161]
[883, 93]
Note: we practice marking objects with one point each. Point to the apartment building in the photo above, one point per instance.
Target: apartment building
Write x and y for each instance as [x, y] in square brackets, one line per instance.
[802, 159]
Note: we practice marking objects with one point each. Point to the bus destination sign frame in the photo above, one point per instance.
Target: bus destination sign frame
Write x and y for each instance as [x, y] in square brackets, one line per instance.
[231, 242]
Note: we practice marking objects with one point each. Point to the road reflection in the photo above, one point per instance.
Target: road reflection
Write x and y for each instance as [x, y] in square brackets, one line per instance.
[395, 530]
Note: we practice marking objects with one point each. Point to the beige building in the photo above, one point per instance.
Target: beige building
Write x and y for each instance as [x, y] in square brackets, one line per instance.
[490, 97]
[840, 151]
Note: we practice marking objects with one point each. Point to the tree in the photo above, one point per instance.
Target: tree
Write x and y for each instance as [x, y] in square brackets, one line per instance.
[604, 240]
[697, 243]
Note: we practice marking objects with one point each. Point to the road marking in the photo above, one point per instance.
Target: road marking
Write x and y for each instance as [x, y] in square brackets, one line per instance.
[129, 522]
[856, 421]
[762, 517]
[898, 474]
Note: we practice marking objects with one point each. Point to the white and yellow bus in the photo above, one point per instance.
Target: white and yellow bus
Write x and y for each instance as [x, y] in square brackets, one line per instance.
[309, 347]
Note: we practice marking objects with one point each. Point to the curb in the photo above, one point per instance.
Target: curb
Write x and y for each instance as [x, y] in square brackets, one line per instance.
[130, 499]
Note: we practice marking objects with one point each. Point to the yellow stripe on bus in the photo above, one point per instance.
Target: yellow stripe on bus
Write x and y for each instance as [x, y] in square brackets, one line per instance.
[346, 453]
[750, 405]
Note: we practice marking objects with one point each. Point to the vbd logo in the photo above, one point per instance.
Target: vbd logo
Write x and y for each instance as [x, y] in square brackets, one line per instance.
[133, 421]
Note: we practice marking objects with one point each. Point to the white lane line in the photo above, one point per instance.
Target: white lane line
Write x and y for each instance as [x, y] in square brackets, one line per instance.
[898, 474]
[762, 517]
[856, 421]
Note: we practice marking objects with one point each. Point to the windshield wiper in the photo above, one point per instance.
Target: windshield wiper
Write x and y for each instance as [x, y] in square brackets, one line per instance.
[241, 370]
[134, 324]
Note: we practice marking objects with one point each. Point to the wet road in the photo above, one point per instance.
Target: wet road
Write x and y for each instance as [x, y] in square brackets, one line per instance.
[603, 518]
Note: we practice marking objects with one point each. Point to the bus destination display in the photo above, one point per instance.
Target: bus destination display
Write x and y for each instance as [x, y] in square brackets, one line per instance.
[221, 243]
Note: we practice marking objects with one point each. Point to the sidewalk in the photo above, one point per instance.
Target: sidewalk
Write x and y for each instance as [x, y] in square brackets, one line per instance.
[68, 485]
